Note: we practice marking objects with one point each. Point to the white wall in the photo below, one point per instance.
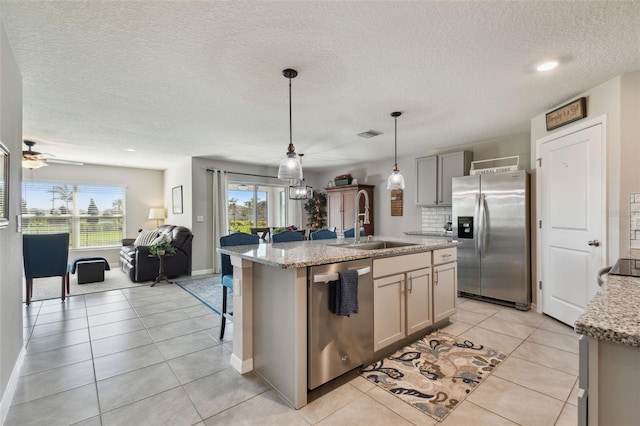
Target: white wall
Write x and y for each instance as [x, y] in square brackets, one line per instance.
[144, 191]
[175, 176]
[619, 100]
[376, 173]
[202, 203]
[10, 240]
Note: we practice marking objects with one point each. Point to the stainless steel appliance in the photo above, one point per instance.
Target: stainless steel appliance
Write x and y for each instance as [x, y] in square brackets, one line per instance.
[337, 344]
[491, 222]
[626, 267]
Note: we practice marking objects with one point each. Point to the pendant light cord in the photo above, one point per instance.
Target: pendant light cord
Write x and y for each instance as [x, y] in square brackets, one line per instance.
[290, 120]
[395, 145]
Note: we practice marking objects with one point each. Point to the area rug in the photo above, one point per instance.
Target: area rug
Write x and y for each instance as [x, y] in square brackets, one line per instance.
[436, 373]
[208, 290]
[49, 288]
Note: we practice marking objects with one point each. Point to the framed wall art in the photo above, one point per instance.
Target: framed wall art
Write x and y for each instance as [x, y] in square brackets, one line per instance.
[176, 199]
[4, 186]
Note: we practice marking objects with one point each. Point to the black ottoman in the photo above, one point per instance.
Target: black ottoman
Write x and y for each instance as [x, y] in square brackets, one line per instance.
[90, 269]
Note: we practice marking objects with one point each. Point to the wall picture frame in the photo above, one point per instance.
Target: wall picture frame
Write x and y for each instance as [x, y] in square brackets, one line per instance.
[566, 114]
[176, 199]
[4, 186]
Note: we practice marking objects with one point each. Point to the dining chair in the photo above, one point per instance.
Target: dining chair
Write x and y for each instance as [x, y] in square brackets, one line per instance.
[349, 233]
[263, 233]
[323, 234]
[284, 236]
[226, 270]
[45, 255]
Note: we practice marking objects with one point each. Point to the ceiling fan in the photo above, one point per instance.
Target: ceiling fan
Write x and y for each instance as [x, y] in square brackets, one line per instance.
[34, 160]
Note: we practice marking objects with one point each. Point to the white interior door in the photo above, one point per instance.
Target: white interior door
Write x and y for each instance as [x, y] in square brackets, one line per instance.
[572, 208]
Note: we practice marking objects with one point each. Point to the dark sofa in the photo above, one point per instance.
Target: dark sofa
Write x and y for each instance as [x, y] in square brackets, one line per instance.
[139, 266]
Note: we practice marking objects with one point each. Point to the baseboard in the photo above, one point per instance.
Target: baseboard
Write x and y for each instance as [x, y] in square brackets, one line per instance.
[240, 366]
[10, 390]
[201, 272]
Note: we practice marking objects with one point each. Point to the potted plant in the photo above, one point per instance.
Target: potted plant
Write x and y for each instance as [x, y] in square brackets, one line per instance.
[343, 179]
[161, 248]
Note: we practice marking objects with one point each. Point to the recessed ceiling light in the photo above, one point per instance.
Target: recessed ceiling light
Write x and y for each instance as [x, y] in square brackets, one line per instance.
[130, 149]
[547, 66]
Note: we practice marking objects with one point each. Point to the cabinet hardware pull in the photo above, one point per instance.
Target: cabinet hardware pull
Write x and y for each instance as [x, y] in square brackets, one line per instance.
[410, 284]
[435, 278]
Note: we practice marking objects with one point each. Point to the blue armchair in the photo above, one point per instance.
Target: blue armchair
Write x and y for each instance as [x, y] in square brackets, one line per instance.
[45, 255]
[323, 234]
[350, 233]
[237, 239]
[285, 236]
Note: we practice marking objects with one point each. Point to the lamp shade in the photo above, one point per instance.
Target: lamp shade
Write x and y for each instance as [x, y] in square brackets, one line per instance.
[290, 168]
[395, 180]
[157, 213]
[33, 164]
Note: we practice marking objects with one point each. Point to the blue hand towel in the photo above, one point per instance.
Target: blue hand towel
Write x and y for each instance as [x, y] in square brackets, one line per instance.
[346, 294]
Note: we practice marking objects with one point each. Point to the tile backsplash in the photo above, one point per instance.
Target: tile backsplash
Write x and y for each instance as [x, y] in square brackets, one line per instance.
[634, 218]
[435, 218]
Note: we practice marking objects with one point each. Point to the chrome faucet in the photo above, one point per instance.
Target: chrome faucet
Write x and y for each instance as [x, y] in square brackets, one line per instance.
[358, 225]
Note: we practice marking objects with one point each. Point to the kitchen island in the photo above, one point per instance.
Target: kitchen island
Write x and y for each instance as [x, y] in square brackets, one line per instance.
[270, 298]
[610, 354]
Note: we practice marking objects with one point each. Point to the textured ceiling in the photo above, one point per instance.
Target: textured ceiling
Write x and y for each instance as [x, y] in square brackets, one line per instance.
[203, 78]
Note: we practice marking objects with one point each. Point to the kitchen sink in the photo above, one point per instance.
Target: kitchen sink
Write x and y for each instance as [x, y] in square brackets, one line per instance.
[377, 245]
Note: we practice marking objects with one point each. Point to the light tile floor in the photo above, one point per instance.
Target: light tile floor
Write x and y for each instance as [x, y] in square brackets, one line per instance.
[151, 356]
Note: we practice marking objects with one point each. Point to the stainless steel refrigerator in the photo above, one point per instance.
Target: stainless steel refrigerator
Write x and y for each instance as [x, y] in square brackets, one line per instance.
[490, 214]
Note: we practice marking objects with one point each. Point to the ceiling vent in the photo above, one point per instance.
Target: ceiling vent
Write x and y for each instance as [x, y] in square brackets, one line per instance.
[369, 134]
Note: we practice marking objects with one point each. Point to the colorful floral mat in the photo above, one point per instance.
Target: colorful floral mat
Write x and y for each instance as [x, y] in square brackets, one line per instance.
[436, 373]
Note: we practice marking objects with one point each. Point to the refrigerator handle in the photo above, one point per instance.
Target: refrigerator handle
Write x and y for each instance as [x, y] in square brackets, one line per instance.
[482, 238]
[478, 226]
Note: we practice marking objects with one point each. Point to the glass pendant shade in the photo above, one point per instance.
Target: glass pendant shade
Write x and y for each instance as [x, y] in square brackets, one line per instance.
[395, 180]
[290, 168]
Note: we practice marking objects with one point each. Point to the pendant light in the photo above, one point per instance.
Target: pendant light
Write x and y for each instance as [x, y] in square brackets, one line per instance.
[290, 168]
[395, 180]
[298, 190]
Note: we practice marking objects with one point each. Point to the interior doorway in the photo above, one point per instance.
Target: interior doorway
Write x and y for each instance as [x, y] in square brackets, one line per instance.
[571, 181]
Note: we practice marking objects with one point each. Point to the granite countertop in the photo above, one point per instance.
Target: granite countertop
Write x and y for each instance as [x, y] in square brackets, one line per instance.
[300, 254]
[613, 313]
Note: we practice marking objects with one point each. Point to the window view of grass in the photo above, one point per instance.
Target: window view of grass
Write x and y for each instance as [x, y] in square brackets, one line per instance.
[92, 215]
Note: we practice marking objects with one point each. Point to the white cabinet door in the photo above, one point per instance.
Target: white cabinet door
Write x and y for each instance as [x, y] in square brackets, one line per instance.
[334, 210]
[449, 166]
[426, 181]
[388, 310]
[444, 290]
[418, 300]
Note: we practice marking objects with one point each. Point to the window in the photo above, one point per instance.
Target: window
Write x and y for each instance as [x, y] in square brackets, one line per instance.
[93, 215]
[255, 206]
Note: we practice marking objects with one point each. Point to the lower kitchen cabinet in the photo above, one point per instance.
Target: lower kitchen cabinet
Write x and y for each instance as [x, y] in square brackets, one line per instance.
[402, 297]
[444, 291]
[445, 283]
[418, 297]
[409, 295]
[388, 311]
[402, 306]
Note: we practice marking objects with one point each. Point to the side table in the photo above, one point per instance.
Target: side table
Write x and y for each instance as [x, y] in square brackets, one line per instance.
[161, 276]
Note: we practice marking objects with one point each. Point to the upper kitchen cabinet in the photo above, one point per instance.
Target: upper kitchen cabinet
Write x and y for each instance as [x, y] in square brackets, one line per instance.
[341, 207]
[433, 175]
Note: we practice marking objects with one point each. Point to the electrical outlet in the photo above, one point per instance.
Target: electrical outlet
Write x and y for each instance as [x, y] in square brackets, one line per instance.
[199, 219]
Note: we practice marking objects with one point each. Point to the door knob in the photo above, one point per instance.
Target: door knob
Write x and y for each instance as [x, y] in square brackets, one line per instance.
[594, 243]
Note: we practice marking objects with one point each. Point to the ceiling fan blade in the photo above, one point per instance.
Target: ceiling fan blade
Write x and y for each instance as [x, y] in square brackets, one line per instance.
[68, 162]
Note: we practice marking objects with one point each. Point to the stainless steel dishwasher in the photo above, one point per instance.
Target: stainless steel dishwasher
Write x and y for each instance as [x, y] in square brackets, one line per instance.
[337, 344]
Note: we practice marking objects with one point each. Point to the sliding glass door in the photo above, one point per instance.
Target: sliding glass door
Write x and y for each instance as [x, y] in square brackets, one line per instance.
[256, 206]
